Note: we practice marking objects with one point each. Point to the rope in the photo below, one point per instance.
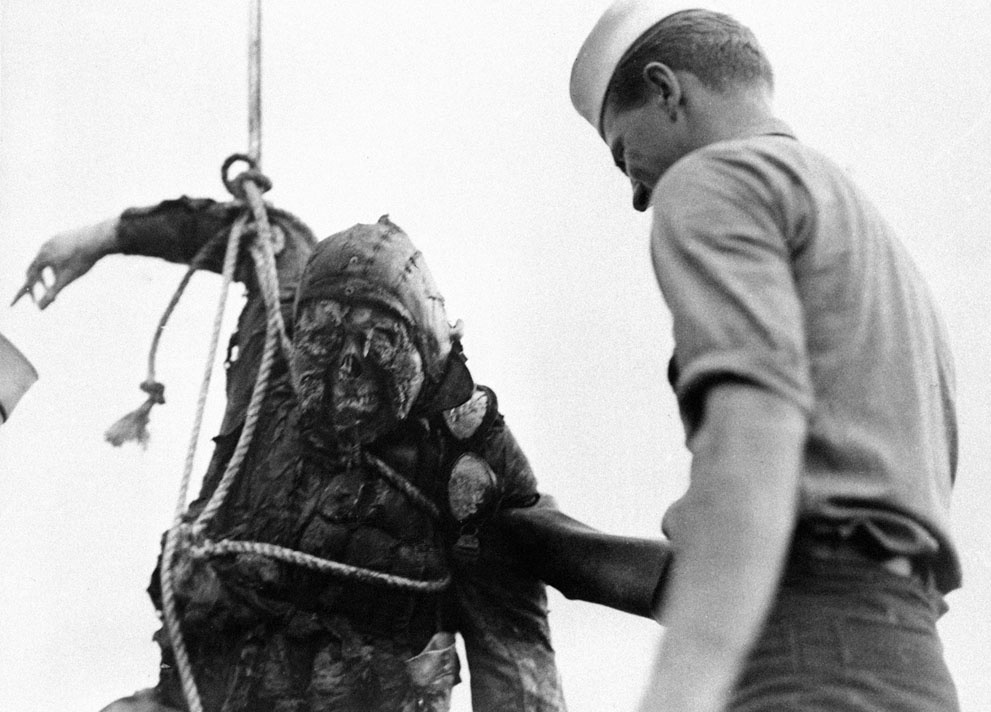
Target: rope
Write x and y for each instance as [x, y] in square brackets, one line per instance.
[133, 426]
[262, 251]
[316, 563]
[275, 327]
[167, 314]
[171, 540]
[405, 486]
[247, 432]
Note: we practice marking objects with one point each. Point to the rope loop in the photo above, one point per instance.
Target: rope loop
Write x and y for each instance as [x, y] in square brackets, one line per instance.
[230, 161]
[235, 186]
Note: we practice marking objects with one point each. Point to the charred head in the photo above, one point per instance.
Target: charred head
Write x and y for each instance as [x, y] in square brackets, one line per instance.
[371, 341]
[358, 367]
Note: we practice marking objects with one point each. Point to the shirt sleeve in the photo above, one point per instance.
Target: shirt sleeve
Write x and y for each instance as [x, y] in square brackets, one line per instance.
[726, 225]
[176, 230]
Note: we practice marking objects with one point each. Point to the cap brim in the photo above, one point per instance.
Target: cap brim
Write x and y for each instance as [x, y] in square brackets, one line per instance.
[17, 375]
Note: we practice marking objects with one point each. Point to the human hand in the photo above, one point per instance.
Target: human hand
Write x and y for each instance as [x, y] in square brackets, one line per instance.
[68, 256]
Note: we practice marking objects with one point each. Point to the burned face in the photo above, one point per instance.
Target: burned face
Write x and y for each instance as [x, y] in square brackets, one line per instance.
[358, 366]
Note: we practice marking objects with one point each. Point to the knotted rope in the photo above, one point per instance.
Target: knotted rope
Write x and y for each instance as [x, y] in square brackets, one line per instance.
[134, 425]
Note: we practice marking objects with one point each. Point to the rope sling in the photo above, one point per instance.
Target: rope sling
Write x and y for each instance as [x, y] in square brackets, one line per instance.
[252, 225]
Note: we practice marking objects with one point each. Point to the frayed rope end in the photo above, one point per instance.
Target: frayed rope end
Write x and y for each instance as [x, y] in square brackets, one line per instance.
[133, 427]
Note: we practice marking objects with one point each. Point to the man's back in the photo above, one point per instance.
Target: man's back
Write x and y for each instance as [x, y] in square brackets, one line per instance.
[818, 301]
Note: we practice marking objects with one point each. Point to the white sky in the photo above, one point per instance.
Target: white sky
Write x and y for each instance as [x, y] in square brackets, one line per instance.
[454, 118]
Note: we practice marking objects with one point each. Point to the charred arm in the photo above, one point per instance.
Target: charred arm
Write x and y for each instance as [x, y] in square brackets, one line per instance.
[176, 230]
[580, 561]
[583, 563]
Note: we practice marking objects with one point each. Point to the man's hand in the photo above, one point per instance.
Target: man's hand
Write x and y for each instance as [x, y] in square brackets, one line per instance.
[69, 255]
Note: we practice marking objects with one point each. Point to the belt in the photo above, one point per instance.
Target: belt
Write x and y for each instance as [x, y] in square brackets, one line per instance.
[840, 550]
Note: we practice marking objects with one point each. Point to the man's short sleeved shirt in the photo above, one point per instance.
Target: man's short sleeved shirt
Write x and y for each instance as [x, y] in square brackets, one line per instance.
[779, 272]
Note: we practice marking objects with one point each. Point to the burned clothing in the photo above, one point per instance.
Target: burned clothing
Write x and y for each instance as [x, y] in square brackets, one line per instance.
[267, 635]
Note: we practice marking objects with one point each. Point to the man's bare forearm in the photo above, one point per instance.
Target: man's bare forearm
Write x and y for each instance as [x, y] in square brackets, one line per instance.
[731, 532]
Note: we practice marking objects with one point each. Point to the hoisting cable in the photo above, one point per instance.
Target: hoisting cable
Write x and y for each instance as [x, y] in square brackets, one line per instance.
[255, 82]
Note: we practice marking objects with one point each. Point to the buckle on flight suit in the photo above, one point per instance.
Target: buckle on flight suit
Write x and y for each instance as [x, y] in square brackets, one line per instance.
[472, 496]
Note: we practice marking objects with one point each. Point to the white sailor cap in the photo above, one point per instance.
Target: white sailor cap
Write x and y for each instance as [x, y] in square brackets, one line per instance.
[622, 24]
[16, 376]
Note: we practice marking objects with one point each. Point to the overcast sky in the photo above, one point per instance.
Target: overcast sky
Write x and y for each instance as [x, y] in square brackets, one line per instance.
[454, 118]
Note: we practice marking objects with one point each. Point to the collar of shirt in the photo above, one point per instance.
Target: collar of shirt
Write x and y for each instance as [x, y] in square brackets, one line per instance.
[775, 127]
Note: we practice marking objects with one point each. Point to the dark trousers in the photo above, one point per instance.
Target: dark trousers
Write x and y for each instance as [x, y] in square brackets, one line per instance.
[848, 636]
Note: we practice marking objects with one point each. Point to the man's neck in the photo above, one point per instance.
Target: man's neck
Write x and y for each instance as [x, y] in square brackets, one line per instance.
[728, 115]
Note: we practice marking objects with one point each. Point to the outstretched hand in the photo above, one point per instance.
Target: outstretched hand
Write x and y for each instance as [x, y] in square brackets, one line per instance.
[68, 255]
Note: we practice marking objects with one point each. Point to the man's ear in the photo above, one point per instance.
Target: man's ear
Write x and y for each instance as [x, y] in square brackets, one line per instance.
[664, 86]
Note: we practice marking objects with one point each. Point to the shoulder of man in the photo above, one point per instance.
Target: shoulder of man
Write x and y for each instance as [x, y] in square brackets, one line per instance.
[735, 172]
